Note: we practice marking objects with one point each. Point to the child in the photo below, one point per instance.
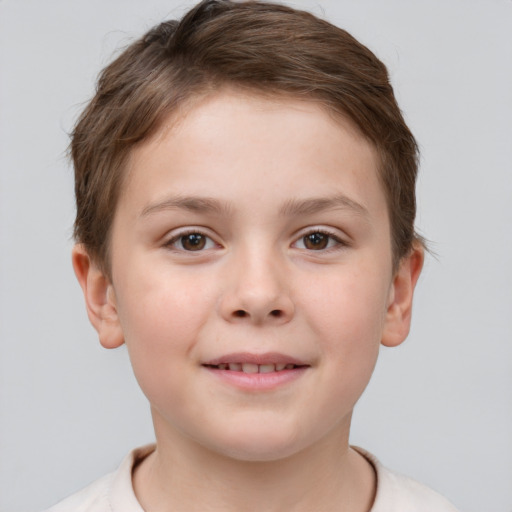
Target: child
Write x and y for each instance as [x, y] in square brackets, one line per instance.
[245, 189]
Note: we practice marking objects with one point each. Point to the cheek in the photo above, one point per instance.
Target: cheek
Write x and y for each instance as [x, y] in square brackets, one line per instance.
[160, 306]
[348, 314]
[349, 307]
[161, 317]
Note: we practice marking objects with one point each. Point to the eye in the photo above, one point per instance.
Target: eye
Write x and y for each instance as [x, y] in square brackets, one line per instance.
[192, 242]
[318, 241]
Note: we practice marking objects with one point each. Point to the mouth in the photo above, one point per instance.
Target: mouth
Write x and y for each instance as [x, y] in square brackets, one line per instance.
[250, 368]
[255, 374]
[257, 371]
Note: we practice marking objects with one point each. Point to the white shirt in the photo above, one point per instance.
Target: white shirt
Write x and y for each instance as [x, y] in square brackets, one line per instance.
[114, 492]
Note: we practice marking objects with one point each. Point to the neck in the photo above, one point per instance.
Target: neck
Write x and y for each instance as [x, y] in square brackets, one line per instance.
[328, 476]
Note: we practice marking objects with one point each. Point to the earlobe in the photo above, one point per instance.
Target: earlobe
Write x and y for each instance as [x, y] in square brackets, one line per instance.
[99, 298]
[399, 311]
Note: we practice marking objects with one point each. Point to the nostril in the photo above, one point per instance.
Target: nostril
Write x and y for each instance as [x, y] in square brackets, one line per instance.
[241, 313]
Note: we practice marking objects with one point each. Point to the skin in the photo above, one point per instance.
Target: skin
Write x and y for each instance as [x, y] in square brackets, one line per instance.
[263, 179]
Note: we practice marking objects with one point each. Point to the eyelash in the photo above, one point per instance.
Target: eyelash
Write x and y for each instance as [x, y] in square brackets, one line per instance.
[181, 236]
[339, 243]
[331, 237]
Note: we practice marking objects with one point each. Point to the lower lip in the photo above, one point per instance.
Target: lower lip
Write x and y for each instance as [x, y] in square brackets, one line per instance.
[258, 381]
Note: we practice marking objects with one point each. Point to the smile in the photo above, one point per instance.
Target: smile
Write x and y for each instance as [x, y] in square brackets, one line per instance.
[253, 368]
[256, 372]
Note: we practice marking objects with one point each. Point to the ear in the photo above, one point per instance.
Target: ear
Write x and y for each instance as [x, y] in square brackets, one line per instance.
[99, 297]
[398, 315]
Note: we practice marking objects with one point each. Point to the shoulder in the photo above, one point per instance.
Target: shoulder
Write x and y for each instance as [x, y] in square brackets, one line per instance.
[111, 493]
[396, 492]
[93, 498]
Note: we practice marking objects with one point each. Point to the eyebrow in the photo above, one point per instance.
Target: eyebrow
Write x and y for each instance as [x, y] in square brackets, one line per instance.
[193, 204]
[316, 205]
[291, 208]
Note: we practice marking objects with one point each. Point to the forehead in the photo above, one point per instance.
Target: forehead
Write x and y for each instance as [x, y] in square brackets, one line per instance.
[231, 102]
[257, 141]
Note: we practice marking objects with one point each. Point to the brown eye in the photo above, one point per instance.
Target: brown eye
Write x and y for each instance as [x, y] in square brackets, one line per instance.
[316, 241]
[193, 242]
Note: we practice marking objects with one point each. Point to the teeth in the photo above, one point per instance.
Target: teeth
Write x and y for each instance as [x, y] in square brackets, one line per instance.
[255, 368]
[249, 368]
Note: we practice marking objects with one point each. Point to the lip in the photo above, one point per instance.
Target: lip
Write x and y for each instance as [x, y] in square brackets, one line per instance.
[246, 357]
[256, 381]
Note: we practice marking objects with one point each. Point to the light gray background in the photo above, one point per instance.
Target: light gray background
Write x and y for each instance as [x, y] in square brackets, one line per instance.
[438, 408]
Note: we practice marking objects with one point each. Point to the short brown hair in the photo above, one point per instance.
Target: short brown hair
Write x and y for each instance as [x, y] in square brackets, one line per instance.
[264, 47]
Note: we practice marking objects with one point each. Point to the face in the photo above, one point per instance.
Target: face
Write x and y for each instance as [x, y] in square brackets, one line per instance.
[252, 275]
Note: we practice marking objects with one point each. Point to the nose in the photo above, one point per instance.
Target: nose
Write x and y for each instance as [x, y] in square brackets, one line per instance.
[257, 291]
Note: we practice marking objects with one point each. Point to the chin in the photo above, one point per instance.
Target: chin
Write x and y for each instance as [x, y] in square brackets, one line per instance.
[265, 445]
[258, 453]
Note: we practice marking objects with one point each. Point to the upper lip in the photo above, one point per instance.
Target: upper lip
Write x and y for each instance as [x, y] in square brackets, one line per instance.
[259, 359]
